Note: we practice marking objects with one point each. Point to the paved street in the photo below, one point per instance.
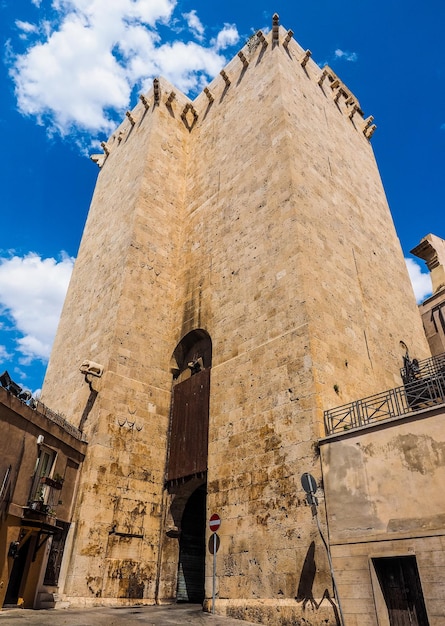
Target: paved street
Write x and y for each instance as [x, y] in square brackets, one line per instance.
[168, 615]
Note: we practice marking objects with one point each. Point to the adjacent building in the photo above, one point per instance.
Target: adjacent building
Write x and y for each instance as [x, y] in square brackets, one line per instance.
[41, 455]
[432, 250]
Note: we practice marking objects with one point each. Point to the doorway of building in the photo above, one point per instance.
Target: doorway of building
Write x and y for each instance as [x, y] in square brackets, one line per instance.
[400, 585]
[191, 568]
[18, 574]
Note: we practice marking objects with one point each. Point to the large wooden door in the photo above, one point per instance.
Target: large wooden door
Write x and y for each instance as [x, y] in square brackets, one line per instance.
[189, 427]
[400, 583]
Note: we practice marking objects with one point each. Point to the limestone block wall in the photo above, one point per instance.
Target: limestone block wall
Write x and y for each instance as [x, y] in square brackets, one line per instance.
[118, 313]
[279, 269]
[241, 282]
[350, 259]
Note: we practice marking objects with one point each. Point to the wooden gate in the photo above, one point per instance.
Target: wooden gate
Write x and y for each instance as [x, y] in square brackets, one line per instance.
[400, 584]
[189, 427]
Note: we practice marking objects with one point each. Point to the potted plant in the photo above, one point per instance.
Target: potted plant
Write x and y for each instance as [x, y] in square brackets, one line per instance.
[55, 482]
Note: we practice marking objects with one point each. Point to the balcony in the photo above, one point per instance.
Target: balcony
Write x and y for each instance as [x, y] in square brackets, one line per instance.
[424, 387]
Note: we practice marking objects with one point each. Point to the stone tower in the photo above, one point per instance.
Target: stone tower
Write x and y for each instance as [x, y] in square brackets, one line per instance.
[238, 274]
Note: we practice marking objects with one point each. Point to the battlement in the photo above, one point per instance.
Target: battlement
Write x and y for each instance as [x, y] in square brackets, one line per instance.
[191, 112]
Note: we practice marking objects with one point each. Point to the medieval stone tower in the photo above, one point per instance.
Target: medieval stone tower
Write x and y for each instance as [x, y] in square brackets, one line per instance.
[238, 274]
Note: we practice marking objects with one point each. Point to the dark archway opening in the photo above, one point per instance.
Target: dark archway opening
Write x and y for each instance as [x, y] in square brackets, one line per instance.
[192, 549]
[18, 574]
[402, 591]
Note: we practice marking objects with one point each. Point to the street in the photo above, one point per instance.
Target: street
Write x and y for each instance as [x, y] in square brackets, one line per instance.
[167, 615]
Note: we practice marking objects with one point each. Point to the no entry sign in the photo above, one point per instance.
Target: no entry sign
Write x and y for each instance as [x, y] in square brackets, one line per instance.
[214, 522]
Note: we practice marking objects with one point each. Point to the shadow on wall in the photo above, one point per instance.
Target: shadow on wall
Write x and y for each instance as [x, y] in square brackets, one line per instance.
[89, 405]
[305, 592]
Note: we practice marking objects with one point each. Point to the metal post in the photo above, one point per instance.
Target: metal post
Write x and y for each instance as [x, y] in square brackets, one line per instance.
[214, 573]
[315, 514]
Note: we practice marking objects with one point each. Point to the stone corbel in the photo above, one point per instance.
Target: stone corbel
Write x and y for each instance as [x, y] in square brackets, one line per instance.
[275, 30]
[290, 34]
[144, 101]
[305, 59]
[105, 148]
[370, 131]
[157, 90]
[169, 101]
[353, 111]
[340, 92]
[367, 123]
[209, 94]
[130, 118]
[244, 61]
[262, 38]
[99, 159]
[322, 77]
[225, 78]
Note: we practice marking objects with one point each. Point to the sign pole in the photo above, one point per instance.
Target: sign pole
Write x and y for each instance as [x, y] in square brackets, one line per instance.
[214, 574]
[214, 524]
[309, 484]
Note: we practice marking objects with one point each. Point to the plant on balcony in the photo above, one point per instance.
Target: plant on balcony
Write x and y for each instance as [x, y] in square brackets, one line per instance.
[55, 483]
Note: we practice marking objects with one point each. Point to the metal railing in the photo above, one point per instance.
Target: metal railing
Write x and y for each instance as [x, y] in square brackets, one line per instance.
[424, 387]
[414, 370]
[39, 407]
[58, 419]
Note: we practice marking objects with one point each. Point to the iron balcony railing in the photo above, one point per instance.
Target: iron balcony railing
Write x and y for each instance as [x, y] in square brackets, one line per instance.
[415, 370]
[26, 398]
[424, 387]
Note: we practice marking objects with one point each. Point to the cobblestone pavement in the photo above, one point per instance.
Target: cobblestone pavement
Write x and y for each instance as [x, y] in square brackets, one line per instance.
[168, 615]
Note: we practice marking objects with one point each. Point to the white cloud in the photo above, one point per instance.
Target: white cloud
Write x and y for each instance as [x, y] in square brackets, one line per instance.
[32, 291]
[228, 36]
[4, 354]
[195, 24]
[421, 281]
[346, 56]
[185, 63]
[80, 74]
[26, 27]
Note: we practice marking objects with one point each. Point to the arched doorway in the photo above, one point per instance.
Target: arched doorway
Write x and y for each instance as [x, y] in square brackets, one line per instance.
[191, 568]
[188, 459]
[189, 426]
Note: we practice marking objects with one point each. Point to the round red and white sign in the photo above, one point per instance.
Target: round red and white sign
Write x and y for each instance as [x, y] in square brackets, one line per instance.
[214, 522]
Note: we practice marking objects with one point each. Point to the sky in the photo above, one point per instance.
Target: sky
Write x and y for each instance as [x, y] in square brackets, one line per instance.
[71, 68]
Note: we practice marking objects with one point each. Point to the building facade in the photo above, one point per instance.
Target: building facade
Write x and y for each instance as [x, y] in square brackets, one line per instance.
[230, 286]
[40, 459]
[383, 467]
[432, 310]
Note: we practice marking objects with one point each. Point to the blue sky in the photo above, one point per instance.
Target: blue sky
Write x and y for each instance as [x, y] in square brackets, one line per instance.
[71, 68]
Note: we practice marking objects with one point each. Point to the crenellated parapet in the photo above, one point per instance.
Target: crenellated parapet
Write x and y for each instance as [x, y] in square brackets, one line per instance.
[277, 41]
